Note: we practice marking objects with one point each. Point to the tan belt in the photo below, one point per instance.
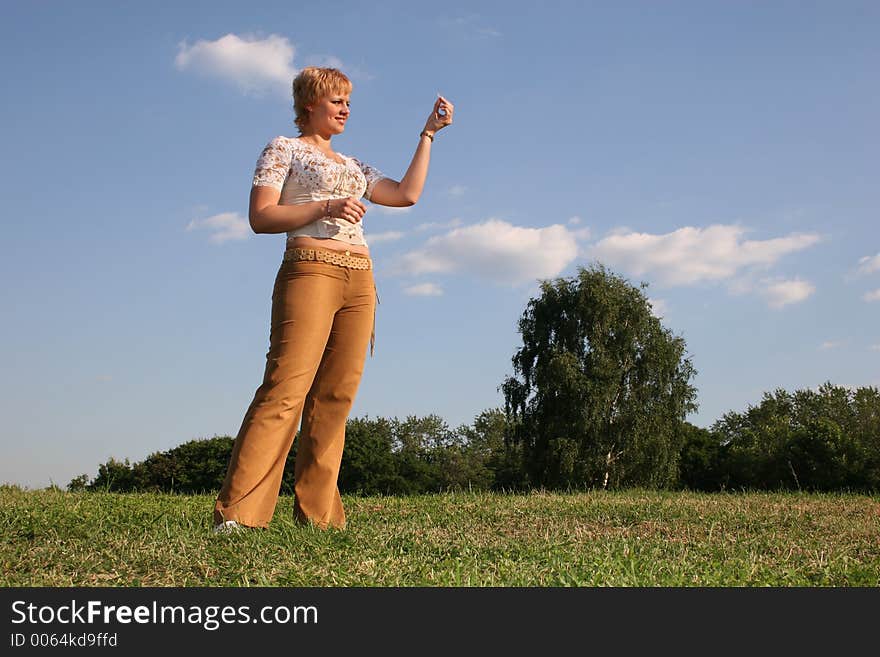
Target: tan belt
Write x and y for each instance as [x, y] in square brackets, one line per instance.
[330, 256]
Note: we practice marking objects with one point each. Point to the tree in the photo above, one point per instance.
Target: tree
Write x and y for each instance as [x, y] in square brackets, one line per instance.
[78, 484]
[754, 444]
[495, 461]
[600, 389]
[368, 465]
[417, 441]
[825, 439]
[865, 430]
[699, 461]
[114, 476]
[194, 467]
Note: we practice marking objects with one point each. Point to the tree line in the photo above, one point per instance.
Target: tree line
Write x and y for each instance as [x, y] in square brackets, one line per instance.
[825, 440]
[381, 457]
[598, 399]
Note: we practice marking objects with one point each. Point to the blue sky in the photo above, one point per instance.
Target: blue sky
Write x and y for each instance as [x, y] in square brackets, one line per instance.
[726, 153]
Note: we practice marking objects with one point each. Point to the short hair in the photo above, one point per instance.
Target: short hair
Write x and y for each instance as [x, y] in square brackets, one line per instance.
[313, 83]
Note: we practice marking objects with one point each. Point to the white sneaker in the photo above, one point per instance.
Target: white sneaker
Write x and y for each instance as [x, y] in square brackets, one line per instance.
[228, 527]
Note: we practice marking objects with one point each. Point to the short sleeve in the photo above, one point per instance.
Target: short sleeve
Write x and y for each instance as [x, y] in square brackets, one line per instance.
[372, 174]
[273, 164]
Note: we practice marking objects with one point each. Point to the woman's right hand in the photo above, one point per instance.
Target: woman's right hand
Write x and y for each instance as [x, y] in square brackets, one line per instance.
[441, 115]
[350, 209]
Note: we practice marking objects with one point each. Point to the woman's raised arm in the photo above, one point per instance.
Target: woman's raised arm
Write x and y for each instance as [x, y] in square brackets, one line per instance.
[408, 190]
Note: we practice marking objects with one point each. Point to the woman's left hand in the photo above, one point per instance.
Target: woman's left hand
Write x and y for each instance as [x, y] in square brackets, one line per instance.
[441, 115]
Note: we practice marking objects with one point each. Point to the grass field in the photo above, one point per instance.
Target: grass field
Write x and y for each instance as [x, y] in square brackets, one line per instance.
[628, 538]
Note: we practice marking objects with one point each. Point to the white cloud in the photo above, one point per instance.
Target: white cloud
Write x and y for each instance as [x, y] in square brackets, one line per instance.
[488, 31]
[457, 190]
[875, 347]
[869, 264]
[387, 236]
[473, 25]
[255, 65]
[495, 250]
[225, 226]
[579, 233]
[332, 61]
[441, 225]
[744, 284]
[659, 307]
[387, 209]
[874, 295]
[424, 290]
[692, 255]
[780, 293]
[830, 344]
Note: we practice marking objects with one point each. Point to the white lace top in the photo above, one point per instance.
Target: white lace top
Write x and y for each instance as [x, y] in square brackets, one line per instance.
[304, 173]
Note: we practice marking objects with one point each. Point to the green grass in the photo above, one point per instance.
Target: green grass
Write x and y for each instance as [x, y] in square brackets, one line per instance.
[628, 538]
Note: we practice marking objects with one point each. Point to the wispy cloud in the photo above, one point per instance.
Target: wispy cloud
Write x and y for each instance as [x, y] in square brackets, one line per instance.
[875, 347]
[488, 31]
[659, 307]
[495, 250]
[473, 26]
[830, 344]
[579, 233]
[781, 293]
[869, 264]
[457, 190]
[387, 236]
[255, 65]
[874, 295]
[439, 225]
[424, 290]
[388, 210]
[331, 61]
[692, 255]
[225, 226]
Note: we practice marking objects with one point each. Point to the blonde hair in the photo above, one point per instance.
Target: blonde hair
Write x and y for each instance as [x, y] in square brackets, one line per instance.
[311, 85]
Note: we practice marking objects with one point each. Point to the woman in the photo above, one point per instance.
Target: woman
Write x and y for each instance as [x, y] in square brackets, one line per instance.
[323, 305]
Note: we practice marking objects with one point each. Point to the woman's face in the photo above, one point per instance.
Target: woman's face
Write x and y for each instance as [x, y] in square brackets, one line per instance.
[329, 114]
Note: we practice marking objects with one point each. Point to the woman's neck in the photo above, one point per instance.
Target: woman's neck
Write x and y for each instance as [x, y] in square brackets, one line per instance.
[317, 139]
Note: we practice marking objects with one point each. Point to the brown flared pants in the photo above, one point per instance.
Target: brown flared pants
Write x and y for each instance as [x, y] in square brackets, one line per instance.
[323, 316]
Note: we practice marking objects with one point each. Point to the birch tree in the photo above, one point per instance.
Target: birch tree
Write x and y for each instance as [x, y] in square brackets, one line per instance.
[600, 389]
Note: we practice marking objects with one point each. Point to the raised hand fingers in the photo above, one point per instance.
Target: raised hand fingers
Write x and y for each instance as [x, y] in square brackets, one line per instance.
[443, 108]
[441, 114]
